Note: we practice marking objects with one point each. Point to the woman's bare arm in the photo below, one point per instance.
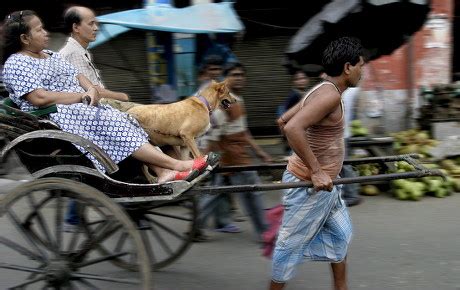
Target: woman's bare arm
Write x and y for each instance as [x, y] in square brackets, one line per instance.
[44, 98]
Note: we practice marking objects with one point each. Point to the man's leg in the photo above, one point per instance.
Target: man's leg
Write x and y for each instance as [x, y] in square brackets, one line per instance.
[71, 216]
[251, 201]
[331, 243]
[304, 216]
[339, 273]
[350, 191]
[222, 213]
[276, 286]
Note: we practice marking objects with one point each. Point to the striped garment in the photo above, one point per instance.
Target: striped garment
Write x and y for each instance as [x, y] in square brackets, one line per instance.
[316, 226]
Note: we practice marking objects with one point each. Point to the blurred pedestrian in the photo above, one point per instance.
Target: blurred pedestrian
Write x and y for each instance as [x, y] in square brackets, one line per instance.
[231, 137]
[316, 225]
[210, 69]
[300, 82]
[350, 192]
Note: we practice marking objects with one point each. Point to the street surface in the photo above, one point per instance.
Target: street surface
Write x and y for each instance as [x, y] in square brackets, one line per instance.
[397, 245]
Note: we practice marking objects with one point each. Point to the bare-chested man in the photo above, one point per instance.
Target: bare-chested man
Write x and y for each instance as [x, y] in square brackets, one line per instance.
[316, 225]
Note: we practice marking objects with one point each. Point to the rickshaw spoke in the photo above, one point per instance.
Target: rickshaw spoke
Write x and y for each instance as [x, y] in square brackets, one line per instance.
[167, 229]
[148, 246]
[16, 222]
[21, 285]
[87, 284]
[21, 250]
[73, 241]
[170, 216]
[36, 237]
[121, 241]
[40, 219]
[32, 275]
[103, 278]
[108, 230]
[20, 268]
[162, 242]
[59, 221]
[95, 222]
[100, 259]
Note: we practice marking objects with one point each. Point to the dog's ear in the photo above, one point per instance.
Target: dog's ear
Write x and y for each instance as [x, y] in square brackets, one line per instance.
[221, 88]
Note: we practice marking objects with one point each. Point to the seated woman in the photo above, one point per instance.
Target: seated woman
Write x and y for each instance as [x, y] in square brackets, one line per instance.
[35, 77]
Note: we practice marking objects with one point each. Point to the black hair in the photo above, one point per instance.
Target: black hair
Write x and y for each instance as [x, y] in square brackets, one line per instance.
[213, 59]
[296, 71]
[339, 52]
[71, 17]
[232, 66]
[15, 24]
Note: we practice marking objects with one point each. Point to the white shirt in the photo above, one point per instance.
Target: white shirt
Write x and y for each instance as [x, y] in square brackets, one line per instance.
[81, 59]
[349, 97]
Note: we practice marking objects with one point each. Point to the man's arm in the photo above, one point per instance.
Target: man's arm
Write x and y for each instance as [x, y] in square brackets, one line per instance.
[257, 149]
[103, 93]
[282, 121]
[324, 101]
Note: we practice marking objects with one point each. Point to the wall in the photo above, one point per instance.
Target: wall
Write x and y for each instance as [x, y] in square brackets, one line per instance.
[428, 59]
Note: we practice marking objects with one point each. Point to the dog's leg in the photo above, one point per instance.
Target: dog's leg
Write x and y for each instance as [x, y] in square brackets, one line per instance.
[150, 178]
[191, 144]
[185, 153]
[178, 153]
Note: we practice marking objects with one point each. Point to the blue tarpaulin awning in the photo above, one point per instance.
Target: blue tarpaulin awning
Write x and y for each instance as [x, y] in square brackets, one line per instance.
[200, 18]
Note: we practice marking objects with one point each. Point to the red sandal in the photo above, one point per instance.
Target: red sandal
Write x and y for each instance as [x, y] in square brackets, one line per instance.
[203, 162]
[186, 175]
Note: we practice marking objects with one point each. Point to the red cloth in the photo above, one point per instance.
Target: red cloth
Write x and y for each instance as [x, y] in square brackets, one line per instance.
[274, 217]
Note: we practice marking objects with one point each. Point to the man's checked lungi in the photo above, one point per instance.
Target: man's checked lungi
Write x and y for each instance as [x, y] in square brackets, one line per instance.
[316, 226]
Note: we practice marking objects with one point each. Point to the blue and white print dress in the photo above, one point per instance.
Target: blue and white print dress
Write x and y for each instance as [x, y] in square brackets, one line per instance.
[117, 133]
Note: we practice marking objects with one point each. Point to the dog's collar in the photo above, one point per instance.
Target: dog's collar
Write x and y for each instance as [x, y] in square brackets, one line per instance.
[206, 103]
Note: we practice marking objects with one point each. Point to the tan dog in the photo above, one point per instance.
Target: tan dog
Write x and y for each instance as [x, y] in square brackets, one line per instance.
[179, 123]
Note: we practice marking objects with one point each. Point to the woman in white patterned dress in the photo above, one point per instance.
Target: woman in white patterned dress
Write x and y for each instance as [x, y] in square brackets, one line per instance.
[35, 77]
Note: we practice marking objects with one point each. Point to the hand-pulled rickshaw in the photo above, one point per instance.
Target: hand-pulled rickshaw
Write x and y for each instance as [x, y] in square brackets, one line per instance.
[124, 220]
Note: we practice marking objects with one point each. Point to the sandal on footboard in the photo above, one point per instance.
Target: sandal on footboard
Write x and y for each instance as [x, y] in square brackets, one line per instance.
[202, 163]
[187, 175]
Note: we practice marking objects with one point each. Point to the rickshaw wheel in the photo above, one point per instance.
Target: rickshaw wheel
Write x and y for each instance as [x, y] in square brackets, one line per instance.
[57, 259]
[166, 227]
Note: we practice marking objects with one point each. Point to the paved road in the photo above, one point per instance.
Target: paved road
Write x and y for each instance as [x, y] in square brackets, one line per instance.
[397, 245]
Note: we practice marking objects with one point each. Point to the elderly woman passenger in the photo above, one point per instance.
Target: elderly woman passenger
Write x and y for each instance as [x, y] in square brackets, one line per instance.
[36, 77]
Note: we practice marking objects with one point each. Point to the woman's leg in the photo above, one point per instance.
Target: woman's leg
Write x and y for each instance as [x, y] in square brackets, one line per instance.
[164, 166]
[150, 155]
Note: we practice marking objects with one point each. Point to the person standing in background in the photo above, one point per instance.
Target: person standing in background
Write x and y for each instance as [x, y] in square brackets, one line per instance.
[230, 136]
[350, 192]
[300, 82]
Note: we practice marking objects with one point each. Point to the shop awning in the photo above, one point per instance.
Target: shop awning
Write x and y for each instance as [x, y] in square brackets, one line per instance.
[200, 18]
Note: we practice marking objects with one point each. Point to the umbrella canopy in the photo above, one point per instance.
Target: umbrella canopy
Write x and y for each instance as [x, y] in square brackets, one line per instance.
[381, 25]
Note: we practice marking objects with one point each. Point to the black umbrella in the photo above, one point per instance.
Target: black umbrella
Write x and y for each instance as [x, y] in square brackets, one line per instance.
[381, 25]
